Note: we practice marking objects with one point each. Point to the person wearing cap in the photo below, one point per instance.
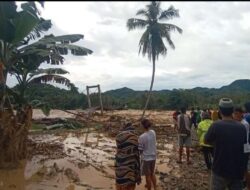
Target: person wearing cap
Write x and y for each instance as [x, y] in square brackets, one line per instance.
[127, 159]
[147, 147]
[228, 138]
[201, 131]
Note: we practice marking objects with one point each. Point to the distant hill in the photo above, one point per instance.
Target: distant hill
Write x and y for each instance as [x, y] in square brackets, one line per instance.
[242, 85]
[238, 90]
[121, 92]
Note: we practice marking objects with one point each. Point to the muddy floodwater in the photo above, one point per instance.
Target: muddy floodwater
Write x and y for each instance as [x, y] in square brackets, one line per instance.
[84, 160]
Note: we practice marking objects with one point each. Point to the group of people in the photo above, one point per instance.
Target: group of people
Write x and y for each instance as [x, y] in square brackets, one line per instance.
[224, 140]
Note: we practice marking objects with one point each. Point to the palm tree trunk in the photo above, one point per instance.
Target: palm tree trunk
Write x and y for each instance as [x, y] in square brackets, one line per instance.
[151, 87]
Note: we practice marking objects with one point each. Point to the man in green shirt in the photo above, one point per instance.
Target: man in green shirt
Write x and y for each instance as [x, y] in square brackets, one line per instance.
[201, 132]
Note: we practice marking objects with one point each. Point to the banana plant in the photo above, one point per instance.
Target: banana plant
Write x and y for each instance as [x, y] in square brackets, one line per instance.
[17, 29]
[49, 49]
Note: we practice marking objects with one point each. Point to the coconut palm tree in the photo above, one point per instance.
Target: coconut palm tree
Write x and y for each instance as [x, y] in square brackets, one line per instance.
[151, 42]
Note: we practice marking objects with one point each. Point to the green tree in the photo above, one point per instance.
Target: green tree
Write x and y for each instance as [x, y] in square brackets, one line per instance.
[17, 29]
[49, 49]
[151, 42]
[19, 57]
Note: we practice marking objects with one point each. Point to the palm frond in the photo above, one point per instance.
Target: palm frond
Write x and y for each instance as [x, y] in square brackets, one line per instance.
[71, 38]
[158, 46]
[144, 43]
[168, 38]
[42, 26]
[7, 13]
[165, 30]
[51, 78]
[24, 24]
[31, 7]
[75, 50]
[170, 13]
[151, 43]
[32, 58]
[44, 106]
[134, 23]
[49, 71]
[143, 12]
[154, 9]
[58, 45]
[170, 27]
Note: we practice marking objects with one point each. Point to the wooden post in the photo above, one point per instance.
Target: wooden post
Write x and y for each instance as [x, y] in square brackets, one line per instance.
[89, 102]
[100, 97]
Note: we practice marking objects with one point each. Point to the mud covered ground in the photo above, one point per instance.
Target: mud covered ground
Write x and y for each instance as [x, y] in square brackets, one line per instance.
[84, 159]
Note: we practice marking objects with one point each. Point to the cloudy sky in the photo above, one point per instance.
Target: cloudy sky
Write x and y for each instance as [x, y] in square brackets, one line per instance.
[212, 51]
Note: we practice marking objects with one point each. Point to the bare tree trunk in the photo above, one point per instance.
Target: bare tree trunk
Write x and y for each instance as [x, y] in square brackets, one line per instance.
[151, 87]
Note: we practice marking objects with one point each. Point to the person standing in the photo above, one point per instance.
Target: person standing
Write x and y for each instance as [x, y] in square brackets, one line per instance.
[246, 122]
[228, 138]
[246, 116]
[238, 114]
[184, 135]
[205, 148]
[215, 115]
[198, 115]
[127, 159]
[147, 147]
[193, 118]
[175, 115]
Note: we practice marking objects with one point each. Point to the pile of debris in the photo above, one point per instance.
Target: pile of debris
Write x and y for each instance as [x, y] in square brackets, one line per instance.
[51, 150]
[59, 123]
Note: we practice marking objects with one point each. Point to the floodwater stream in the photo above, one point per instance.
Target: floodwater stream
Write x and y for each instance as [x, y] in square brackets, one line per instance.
[84, 160]
[89, 157]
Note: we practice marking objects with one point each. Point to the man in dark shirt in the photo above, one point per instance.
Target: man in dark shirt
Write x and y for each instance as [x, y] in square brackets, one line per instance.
[193, 116]
[228, 138]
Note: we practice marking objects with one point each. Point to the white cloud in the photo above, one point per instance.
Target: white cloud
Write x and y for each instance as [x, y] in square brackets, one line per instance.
[211, 52]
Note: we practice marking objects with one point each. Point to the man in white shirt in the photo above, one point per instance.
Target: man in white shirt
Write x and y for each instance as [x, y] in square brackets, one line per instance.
[147, 147]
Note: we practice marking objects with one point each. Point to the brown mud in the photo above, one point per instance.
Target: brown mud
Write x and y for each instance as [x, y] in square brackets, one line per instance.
[84, 159]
